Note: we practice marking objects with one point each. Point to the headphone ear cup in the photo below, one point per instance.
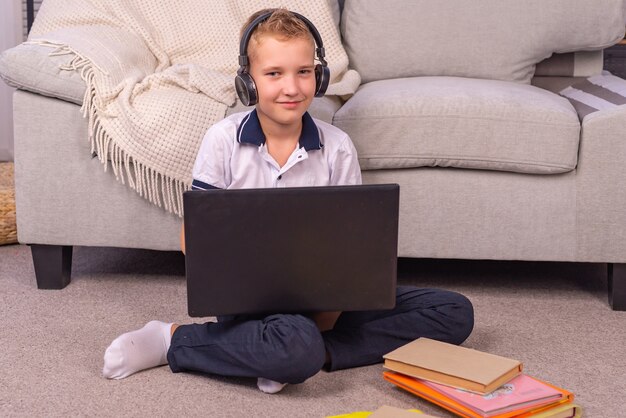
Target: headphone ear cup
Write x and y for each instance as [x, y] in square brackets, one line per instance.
[322, 77]
[246, 89]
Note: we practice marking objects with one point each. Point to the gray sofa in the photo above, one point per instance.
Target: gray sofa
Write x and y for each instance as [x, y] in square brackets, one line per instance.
[458, 104]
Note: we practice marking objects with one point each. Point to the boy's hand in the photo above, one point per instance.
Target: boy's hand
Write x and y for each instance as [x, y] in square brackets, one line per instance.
[325, 320]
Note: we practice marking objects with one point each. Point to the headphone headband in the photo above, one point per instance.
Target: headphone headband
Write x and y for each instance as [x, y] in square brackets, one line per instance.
[245, 38]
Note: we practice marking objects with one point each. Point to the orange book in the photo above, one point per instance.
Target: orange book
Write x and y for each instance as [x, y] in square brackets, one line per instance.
[563, 410]
[423, 391]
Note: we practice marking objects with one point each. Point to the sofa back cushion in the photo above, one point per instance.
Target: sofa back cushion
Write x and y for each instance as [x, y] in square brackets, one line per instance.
[490, 39]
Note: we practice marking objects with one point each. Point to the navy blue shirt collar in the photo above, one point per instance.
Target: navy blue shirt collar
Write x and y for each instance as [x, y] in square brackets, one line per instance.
[250, 132]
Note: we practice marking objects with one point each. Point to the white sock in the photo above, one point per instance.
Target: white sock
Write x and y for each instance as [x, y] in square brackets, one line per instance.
[269, 386]
[137, 350]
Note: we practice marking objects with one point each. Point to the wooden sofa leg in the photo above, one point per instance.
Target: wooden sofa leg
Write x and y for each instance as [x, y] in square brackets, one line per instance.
[617, 286]
[53, 265]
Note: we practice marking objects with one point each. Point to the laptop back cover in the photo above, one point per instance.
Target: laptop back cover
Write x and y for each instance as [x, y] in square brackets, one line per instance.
[291, 250]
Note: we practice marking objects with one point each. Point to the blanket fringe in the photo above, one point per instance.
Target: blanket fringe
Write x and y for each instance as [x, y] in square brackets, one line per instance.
[158, 188]
[161, 190]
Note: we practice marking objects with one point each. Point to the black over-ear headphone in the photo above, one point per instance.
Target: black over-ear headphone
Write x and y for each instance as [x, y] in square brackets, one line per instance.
[244, 83]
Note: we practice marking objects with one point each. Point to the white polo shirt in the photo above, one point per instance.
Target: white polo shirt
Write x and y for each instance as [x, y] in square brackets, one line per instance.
[233, 155]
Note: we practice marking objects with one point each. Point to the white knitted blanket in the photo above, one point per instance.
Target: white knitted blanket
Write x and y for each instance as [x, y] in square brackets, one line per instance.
[159, 73]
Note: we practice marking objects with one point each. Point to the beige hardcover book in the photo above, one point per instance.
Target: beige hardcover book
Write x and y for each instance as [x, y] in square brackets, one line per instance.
[387, 411]
[452, 365]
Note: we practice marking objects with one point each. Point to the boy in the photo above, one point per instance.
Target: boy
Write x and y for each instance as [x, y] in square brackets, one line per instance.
[278, 144]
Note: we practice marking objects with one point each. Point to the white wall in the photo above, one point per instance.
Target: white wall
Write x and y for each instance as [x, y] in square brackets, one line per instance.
[10, 35]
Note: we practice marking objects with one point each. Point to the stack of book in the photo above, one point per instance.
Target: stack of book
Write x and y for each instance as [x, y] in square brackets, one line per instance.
[475, 384]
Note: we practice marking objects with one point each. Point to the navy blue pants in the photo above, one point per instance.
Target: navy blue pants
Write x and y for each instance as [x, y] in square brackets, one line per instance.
[290, 348]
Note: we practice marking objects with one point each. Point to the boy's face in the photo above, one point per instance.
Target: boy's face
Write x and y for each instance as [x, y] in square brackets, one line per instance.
[283, 71]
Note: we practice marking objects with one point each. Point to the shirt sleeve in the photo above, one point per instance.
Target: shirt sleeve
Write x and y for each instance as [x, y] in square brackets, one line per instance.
[211, 169]
[345, 169]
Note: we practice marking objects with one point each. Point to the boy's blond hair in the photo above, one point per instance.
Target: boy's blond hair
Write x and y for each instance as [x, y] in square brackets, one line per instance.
[282, 24]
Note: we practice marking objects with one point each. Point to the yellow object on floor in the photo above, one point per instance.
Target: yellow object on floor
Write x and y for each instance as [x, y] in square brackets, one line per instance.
[8, 229]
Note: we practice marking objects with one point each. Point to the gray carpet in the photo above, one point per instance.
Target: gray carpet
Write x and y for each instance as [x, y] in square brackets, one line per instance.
[554, 317]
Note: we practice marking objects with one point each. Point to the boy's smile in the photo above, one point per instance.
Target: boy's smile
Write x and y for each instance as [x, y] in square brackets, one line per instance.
[283, 71]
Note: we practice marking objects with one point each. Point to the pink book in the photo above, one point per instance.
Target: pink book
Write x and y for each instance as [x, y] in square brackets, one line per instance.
[521, 392]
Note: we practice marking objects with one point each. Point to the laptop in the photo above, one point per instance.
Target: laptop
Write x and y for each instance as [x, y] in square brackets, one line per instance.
[288, 250]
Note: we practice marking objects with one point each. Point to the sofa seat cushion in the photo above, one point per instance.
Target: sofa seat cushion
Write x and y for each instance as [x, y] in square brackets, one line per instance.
[461, 122]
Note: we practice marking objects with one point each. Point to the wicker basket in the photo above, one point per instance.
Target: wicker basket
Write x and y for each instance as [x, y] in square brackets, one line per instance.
[8, 229]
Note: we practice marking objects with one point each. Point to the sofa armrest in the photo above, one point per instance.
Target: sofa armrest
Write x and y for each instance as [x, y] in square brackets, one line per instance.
[601, 168]
[600, 186]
